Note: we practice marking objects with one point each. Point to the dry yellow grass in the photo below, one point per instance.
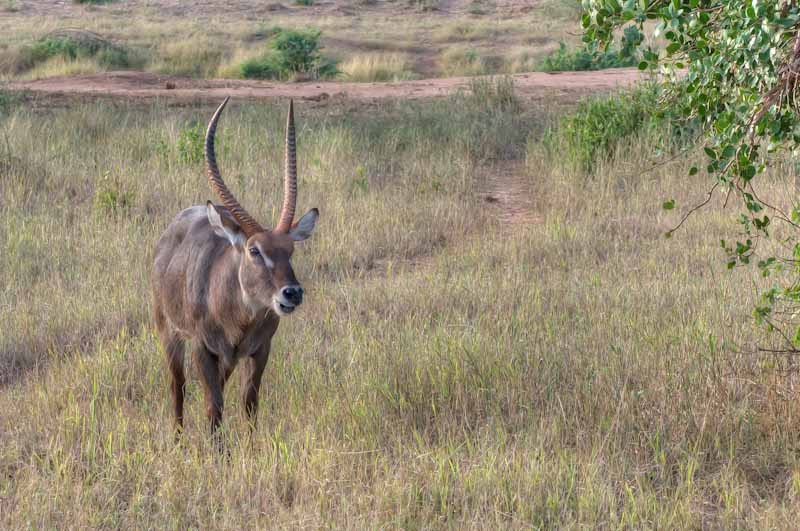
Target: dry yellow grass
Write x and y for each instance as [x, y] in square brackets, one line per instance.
[59, 66]
[459, 60]
[169, 42]
[195, 56]
[448, 370]
[377, 67]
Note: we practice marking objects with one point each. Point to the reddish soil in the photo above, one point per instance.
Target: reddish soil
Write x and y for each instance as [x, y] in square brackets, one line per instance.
[136, 85]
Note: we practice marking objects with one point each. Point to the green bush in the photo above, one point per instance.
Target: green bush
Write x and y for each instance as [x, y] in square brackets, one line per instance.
[564, 60]
[107, 54]
[290, 52]
[304, 2]
[593, 131]
[589, 58]
[264, 66]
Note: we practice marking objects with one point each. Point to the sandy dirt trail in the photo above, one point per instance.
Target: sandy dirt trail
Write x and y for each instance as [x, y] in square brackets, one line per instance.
[135, 85]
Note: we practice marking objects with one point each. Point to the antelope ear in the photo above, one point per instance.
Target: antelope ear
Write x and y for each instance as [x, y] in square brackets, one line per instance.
[224, 226]
[302, 229]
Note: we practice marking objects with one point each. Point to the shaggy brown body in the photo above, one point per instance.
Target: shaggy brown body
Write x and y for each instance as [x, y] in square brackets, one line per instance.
[222, 282]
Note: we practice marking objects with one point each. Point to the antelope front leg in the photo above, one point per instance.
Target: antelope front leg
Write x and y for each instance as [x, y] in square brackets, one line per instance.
[252, 383]
[213, 384]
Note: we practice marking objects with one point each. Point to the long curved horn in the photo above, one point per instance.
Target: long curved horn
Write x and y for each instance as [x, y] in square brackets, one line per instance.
[249, 225]
[290, 176]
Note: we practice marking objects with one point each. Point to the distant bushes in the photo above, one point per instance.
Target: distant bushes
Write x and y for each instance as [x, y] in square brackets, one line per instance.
[290, 54]
[587, 58]
[70, 45]
[565, 60]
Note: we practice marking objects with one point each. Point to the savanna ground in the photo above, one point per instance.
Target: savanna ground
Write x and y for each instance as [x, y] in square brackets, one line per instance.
[494, 335]
[374, 40]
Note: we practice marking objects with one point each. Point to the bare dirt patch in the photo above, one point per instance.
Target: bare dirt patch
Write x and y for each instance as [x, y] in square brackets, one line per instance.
[137, 85]
[507, 190]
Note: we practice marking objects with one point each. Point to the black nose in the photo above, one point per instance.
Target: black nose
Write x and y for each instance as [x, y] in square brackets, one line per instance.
[293, 294]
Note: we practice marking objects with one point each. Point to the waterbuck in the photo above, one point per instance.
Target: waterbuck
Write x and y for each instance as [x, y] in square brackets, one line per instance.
[222, 281]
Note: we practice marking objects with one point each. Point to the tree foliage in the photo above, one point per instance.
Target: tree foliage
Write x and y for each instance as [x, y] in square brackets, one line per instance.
[733, 66]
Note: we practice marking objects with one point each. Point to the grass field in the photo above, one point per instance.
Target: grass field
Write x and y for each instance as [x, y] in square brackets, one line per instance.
[212, 38]
[453, 367]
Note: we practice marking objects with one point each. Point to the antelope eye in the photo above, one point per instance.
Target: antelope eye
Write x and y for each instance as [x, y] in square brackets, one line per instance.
[254, 251]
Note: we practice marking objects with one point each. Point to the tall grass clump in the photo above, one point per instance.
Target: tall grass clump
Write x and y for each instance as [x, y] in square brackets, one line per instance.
[377, 67]
[462, 61]
[291, 54]
[193, 56]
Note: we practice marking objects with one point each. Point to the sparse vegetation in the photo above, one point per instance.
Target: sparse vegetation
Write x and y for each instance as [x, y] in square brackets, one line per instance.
[163, 43]
[424, 5]
[194, 56]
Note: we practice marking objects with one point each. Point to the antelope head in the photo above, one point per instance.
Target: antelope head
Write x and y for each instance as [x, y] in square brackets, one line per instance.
[265, 270]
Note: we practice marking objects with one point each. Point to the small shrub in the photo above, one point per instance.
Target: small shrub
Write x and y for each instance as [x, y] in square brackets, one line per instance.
[593, 132]
[262, 67]
[297, 51]
[290, 53]
[111, 198]
[305, 3]
[190, 144]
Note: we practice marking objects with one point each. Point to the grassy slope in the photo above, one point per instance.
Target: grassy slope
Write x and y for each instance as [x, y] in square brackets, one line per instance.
[446, 370]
